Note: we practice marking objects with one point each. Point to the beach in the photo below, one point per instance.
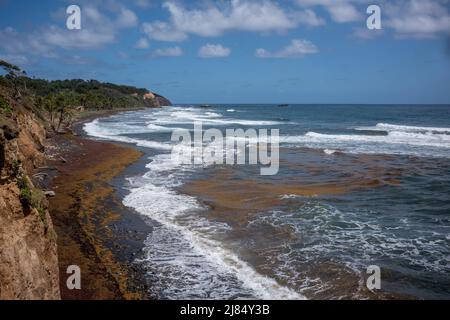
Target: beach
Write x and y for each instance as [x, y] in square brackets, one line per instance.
[95, 231]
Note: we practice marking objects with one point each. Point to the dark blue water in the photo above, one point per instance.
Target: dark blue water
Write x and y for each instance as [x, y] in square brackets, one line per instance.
[358, 185]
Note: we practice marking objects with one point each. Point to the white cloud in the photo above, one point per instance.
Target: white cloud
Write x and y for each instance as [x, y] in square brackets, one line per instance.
[213, 51]
[296, 49]
[221, 17]
[420, 19]
[127, 19]
[142, 43]
[169, 52]
[19, 60]
[143, 3]
[309, 17]
[407, 18]
[340, 10]
[163, 31]
[98, 30]
[17, 43]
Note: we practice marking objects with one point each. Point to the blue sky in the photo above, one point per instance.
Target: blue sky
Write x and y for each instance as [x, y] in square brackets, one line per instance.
[240, 51]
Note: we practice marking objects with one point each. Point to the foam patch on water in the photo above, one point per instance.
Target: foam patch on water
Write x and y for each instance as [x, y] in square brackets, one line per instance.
[328, 233]
[177, 116]
[94, 129]
[395, 127]
[329, 151]
[395, 142]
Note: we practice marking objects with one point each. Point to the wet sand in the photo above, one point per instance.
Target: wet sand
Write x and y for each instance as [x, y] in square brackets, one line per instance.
[95, 231]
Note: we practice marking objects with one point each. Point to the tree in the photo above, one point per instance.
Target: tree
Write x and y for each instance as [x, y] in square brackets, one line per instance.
[65, 103]
[60, 108]
[14, 74]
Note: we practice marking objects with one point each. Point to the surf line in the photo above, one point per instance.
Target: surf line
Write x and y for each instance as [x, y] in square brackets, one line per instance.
[210, 147]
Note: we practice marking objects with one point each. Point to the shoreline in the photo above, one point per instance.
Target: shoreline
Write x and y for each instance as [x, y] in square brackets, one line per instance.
[95, 230]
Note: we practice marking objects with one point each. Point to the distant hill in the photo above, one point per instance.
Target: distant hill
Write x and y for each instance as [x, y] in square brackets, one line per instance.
[93, 94]
[90, 94]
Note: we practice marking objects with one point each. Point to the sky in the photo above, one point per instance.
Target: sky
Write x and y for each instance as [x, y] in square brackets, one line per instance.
[240, 51]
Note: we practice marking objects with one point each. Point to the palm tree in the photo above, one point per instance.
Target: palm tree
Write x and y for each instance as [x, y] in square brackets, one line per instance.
[64, 103]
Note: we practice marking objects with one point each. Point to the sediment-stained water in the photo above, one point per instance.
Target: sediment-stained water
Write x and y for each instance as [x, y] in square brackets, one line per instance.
[357, 186]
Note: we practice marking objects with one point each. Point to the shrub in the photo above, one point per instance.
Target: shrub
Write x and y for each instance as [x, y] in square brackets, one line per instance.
[5, 108]
[41, 212]
[15, 165]
[25, 197]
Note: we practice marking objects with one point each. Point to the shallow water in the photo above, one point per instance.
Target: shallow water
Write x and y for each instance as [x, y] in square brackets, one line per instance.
[357, 186]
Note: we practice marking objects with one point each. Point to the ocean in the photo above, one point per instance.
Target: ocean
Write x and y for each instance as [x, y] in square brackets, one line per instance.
[358, 185]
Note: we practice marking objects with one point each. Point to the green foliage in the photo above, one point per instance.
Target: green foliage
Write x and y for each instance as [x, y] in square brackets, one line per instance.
[90, 94]
[41, 212]
[22, 182]
[43, 87]
[32, 197]
[8, 66]
[25, 196]
[5, 107]
[58, 101]
[15, 166]
[25, 192]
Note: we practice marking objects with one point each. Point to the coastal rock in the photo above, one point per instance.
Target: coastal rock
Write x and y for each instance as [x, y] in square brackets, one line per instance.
[29, 263]
[153, 100]
[9, 129]
[163, 101]
[49, 193]
[28, 249]
[2, 151]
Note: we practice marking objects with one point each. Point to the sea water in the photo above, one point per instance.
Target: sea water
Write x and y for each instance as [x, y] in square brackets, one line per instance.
[381, 182]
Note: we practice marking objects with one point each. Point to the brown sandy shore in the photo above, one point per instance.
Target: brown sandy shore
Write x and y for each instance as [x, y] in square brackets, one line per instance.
[95, 231]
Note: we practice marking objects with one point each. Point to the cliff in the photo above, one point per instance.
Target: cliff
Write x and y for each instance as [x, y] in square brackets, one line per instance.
[30, 110]
[28, 252]
[153, 100]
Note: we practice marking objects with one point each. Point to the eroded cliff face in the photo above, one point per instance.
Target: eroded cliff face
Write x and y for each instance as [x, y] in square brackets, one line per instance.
[28, 252]
[153, 100]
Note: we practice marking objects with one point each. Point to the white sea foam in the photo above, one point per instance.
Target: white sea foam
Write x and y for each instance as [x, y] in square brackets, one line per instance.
[329, 151]
[362, 231]
[189, 259]
[94, 129]
[406, 138]
[199, 254]
[395, 127]
[394, 142]
[156, 128]
[177, 116]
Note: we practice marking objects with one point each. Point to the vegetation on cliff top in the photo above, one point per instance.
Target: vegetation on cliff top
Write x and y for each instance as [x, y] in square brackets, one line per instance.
[59, 100]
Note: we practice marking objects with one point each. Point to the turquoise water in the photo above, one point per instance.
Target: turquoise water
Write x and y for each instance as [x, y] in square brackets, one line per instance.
[381, 176]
